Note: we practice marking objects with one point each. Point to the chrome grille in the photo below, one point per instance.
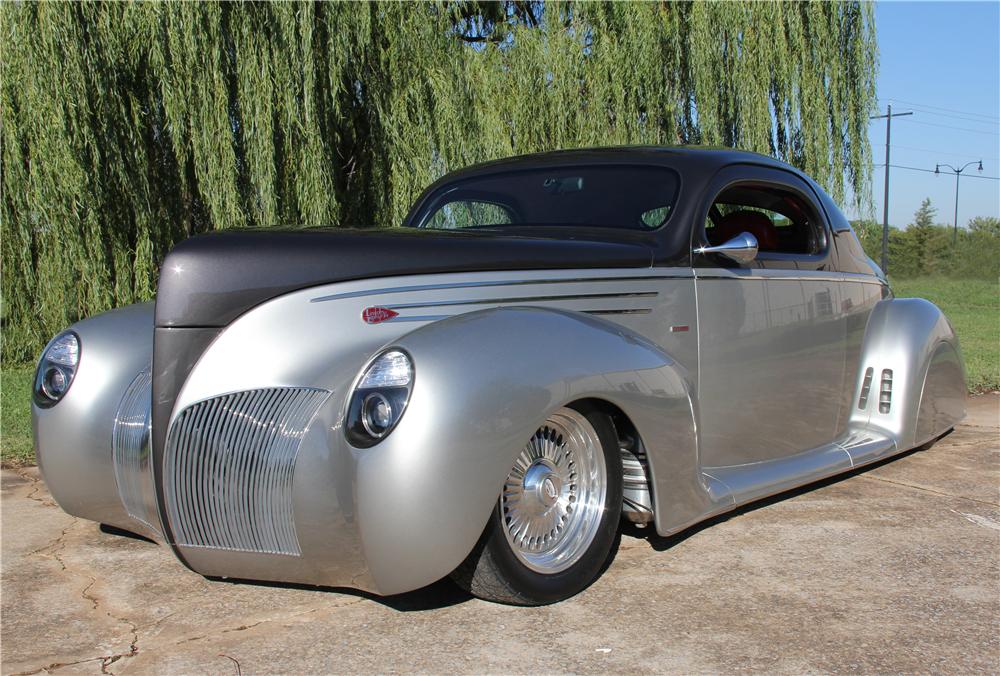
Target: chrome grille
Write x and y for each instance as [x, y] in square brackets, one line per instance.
[228, 469]
[130, 451]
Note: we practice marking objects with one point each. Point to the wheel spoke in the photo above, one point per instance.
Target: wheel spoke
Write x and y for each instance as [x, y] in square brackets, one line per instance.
[551, 511]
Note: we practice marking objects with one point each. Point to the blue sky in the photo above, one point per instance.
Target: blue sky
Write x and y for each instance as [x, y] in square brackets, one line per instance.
[940, 60]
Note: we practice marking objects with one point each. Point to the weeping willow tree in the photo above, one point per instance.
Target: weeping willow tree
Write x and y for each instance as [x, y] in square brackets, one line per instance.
[126, 127]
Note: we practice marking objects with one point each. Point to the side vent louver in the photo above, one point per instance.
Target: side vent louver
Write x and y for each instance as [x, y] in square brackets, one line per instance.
[228, 469]
[885, 392]
[866, 388]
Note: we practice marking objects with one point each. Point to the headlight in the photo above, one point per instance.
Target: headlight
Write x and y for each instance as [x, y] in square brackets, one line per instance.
[379, 399]
[56, 369]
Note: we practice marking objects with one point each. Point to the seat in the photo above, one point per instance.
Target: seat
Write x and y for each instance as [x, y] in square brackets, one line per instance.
[745, 220]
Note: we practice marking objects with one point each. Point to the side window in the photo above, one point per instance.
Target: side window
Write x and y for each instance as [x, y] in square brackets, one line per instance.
[781, 221]
[469, 214]
[654, 218]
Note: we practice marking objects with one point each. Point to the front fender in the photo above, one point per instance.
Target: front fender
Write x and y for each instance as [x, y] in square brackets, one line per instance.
[73, 438]
[484, 382]
[912, 339]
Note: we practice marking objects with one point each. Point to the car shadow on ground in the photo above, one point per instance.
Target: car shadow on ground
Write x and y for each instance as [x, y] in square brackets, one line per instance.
[445, 594]
[661, 543]
[442, 594]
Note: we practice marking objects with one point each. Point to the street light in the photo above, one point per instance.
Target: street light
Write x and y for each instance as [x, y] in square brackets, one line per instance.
[958, 175]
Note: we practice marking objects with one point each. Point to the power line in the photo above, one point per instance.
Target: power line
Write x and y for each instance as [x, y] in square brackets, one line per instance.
[942, 152]
[931, 171]
[950, 110]
[948, 126]
[955, 116]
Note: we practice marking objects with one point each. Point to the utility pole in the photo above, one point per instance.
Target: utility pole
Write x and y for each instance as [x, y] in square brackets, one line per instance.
[885, 205]
[958, 175]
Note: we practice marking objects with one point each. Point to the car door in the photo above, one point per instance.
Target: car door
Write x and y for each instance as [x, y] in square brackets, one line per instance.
[771, 332]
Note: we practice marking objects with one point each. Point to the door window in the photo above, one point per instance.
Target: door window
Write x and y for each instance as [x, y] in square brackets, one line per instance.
[782, 222]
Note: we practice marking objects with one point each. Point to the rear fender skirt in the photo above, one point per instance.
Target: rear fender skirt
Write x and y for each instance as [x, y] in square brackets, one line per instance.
[911, 381]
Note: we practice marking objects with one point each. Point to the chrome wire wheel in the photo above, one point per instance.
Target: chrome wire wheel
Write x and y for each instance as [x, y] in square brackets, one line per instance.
[554, 497]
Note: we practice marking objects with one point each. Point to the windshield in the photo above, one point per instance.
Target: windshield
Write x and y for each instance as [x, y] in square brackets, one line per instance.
[606, 196]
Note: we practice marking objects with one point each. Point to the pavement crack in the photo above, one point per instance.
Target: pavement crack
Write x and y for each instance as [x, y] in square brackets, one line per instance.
[246, 627]
[56, 665]
[54, 551]
[905, 484]
[36, 486]
[56, 545]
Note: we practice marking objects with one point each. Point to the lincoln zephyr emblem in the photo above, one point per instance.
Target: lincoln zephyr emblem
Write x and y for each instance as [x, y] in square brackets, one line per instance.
[377, 315]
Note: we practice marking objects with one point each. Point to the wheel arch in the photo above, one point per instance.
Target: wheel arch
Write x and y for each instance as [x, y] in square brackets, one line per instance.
[911, 343]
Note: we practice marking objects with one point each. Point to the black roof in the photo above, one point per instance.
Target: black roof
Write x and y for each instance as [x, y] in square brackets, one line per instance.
[695, 162]
[695, 157]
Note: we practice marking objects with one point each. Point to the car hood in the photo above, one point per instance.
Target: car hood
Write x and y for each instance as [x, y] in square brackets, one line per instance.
[210, 280]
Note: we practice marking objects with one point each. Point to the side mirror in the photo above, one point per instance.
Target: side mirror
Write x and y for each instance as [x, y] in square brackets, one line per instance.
[742, 248]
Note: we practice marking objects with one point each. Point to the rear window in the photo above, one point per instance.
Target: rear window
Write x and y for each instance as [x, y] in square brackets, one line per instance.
[607, 196]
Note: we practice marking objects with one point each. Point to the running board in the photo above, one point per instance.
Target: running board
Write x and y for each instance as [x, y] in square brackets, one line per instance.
[735, 485]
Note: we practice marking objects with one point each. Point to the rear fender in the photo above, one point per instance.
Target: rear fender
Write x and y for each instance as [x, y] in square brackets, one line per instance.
[911, 341]
[484, 382]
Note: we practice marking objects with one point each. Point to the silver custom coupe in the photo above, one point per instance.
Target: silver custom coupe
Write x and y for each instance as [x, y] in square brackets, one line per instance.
[551, 344]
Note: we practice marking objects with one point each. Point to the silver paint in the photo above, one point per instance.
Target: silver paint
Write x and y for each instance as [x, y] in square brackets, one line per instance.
[73, 439]
[760, 395]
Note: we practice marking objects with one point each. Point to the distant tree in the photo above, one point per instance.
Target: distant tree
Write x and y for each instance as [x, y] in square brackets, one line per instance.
[985, 225]
[978, 250]
[928, 245]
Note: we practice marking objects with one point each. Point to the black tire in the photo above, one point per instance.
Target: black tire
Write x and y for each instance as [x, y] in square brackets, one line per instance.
[493, 572]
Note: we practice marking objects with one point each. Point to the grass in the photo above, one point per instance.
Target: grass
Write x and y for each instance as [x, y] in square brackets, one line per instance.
[973, 306]
[16, 449]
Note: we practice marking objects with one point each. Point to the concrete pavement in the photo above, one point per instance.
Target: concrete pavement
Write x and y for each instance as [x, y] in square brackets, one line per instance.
[893, 569]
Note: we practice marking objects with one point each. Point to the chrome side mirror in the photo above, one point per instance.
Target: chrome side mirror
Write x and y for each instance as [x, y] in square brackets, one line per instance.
[742, 248]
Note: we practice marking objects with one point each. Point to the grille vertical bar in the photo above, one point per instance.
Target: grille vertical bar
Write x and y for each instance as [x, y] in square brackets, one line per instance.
[228, 469]
[131, 452]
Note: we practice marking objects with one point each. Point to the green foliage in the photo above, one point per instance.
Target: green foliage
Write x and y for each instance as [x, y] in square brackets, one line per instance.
[973, 308]
[128, 126]
[925, 248]
[16, 447]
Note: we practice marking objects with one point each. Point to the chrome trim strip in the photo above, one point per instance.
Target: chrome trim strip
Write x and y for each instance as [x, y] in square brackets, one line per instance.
[131, 452]
[418, 318]
[523, 299]
[642, 311]
[436, 318]
[758, 274]
[517, 282]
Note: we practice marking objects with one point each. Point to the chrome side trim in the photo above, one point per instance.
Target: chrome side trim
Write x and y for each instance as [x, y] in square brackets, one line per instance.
[640, 311]
[228, 469]
[512, 282]
[523, 299]
[759, 275]
[435, 318]
[131, 452]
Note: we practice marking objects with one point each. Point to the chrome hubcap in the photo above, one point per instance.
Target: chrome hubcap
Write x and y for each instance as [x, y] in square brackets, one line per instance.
[553, 499]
